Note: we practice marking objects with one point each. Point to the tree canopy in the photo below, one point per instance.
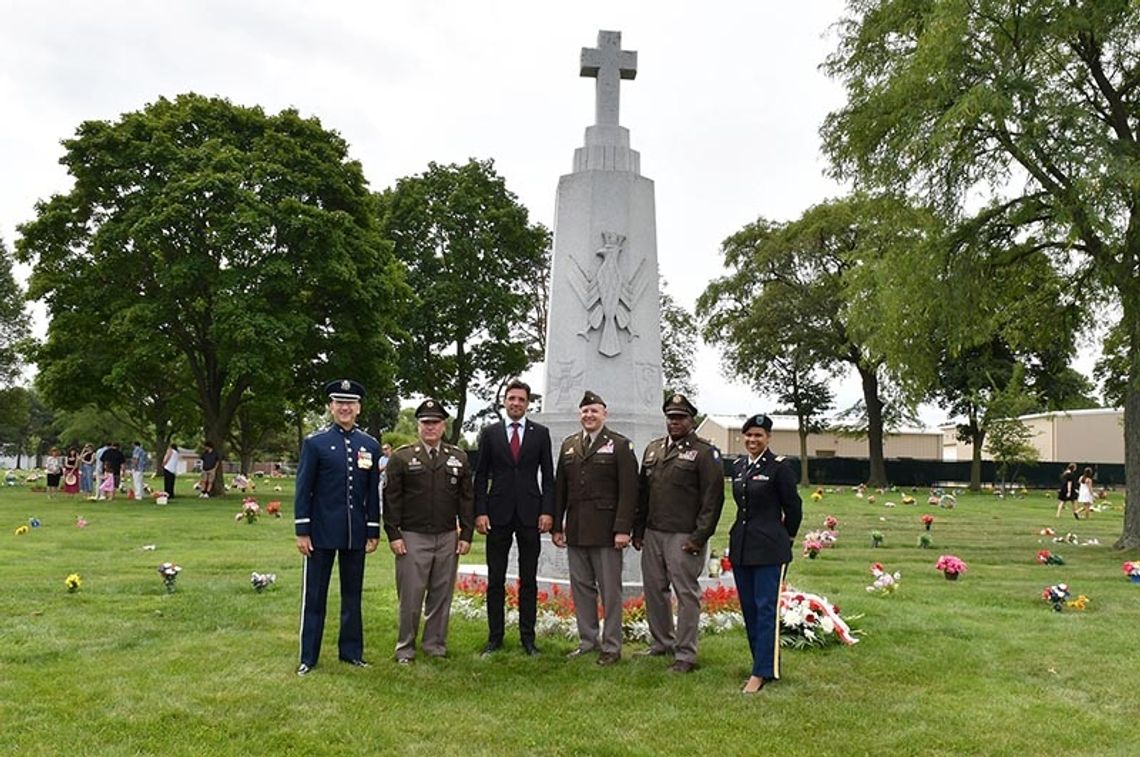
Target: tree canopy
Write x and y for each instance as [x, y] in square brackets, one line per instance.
[1020, 120]
[213, 248]
[13, 318]
[471, 256]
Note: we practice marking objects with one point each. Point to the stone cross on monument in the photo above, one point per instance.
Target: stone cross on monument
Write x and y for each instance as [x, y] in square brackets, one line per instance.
[606, 63]
[604, 329]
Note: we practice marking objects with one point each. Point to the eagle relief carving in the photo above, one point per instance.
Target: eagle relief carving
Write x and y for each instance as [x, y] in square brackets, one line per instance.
[608, 295]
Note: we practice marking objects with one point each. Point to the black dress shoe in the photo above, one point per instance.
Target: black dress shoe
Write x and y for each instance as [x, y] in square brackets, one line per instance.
[491, 646]
[304, 670]
[357, 663]
[608, 658]
[683, 666]
[530, 649]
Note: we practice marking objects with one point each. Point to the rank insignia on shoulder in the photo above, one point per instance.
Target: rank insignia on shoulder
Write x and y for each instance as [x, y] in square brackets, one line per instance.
[781, 458]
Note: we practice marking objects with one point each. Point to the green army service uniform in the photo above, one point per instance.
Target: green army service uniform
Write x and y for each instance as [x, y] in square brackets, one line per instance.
[680, 500]
[426, 498]
[595, 497]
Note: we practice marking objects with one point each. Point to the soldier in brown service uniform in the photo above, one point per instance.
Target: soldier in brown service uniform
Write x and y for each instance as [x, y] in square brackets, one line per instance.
[595, 498]
[427, 491]
[681, 496]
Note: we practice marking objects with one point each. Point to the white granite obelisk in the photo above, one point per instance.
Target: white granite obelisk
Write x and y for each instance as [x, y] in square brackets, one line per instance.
[604, 329]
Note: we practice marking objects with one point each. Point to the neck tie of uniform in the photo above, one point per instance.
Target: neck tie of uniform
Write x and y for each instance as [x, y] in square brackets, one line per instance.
[434, 452]
[516, 444]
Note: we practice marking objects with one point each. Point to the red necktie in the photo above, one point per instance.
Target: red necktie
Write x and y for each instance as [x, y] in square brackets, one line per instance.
[516, 445]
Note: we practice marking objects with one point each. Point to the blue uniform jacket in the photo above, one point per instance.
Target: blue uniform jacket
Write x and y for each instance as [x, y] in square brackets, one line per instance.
[337, 503]
[768, 514]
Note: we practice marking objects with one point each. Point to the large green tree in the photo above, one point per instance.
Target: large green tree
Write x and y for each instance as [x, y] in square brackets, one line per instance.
[1021, 117]
[678, 345]
[798, 285]
[13, 318]
[471, 256]
[229, 249]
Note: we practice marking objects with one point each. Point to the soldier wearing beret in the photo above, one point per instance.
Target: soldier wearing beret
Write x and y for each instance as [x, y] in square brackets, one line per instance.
[768, 516]
[336, 518]
[429, 514]
[595, 499]
[681, 497]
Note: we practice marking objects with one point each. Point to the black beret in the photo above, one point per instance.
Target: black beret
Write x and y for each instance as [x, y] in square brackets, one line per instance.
[759, 420]
[429, 409]
[678, 404]
[589, 398]
[345, 390]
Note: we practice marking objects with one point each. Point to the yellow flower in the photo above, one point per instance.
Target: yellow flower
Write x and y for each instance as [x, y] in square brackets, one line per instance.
[73, 582]
[21, 530]
[1079, 603]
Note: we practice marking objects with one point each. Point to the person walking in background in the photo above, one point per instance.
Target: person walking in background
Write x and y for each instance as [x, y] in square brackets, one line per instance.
[681, 497]
[1068, 492]
[210, 461]
[595, 501]
[429, 514]
[71, 472]
[139, 461]
[768, 515]
[514, 501]
[53, 465]
[170, 468]
[1085, 495]
[336, 519]
[87, 470]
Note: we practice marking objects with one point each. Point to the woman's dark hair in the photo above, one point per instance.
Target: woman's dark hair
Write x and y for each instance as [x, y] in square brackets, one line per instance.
[1088, 472]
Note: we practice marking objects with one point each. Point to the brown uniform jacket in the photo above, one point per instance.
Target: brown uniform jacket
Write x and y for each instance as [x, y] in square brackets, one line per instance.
[595, 489]
[428, 497]
[682, 489]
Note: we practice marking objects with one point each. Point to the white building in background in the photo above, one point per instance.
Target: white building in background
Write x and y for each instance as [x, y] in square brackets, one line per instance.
[916, 444]
[1095, 435]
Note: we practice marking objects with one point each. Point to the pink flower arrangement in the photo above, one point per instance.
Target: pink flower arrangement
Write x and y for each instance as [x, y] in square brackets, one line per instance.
[812, 547]
[831, 522]
[250, 511]
[1131, 568]
[951, 565]
[928, 521]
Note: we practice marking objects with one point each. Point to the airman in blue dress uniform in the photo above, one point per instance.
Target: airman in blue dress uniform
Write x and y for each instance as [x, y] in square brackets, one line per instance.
[336, 519]
[768, 515]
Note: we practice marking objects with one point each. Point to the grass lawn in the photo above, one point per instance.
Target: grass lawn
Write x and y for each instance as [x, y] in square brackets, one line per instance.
[981, 665]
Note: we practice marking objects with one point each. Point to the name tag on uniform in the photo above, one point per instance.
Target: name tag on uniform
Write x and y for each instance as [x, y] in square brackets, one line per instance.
[363, 459]
[760, 477]
[691, 455]
[607, 448]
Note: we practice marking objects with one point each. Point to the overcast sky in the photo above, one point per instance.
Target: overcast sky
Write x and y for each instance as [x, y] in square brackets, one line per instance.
[725, 109]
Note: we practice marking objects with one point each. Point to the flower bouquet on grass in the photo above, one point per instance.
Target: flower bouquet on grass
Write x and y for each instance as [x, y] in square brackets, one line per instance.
[1056, 595]
[262, 581]
[250, 511]
[169, 572]
[273, 508]
[831, 523]
[876, 538]
[161, 498]
[885, 583]
[1045, 557]
[21, 530]
[809, 620]
[812, 547]
[927, 521]
[73, 583]
[817, 495]
[925, 541]
[951, 567]
[1131, 569]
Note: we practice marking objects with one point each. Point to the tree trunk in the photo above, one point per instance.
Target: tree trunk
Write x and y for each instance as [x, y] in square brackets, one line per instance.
[803, 453]
[878, 475]
[977, 439]
[217, 432]
[1130, 535]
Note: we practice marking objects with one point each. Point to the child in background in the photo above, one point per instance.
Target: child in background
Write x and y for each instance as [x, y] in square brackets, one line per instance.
[1085, 497]
[107, 488]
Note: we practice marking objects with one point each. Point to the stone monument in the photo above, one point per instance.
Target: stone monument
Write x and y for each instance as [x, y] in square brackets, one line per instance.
[604, 329]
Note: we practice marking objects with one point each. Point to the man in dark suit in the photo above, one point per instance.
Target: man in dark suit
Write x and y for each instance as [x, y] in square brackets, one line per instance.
[595, 491]
[514, 498]
[336, 519]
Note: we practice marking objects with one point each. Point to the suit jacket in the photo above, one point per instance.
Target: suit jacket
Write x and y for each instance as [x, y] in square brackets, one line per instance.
[337, 499]
[682, 488]
[595, 489]
[428, 497]
[504, 487]
[769, 511]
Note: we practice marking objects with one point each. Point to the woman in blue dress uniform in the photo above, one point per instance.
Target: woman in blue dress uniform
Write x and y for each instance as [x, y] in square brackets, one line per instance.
[768, 515]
